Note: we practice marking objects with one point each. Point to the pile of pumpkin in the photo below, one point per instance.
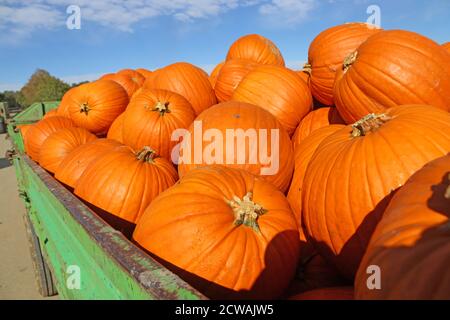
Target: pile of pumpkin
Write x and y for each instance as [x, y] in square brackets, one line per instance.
[364, 166]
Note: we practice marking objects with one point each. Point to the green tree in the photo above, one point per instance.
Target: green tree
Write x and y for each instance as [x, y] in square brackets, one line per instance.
[42, 87]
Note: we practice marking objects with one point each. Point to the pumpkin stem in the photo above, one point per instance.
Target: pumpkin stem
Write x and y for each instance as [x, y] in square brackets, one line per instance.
[307, 68]
[349, 60]
[246, 212]
[368, 123]
[84, 108]
[147, 154]
[447, 192]
[161, 107]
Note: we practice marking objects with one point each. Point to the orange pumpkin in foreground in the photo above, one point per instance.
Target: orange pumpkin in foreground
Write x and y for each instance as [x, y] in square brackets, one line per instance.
[447, 46]
[115, 131]
[39, 132]
[127, 82]
[227, 232]
[327, 52]
[393, 68]
[314, 120]
[411, 244]
[187, 80]
[256, 48]
[95, 105]
[73, 165]
[278, 90]
[59, 144]
[152, 117]
[267, 136]
[123, 182]
[360, 167]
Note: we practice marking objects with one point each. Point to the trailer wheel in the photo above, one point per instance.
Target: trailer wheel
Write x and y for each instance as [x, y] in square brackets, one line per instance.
[43, 275]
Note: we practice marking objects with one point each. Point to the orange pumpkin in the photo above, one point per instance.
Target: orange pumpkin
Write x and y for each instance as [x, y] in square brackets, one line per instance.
[50, 113]
[127, 82]
[115, 131]
[278, 90]
[73, 165]
[231, 74]
[59, 144]
[411, 244]
[135, 75]
[360, 167]
[305, 74]
[327, 52]
[63, 109]
[314, 120]
[95, 105]
[302, 156]
[387, 70]
[39, 132]
[447, 46]
[123, 182]
[214, 73]
[187, 80]
[251, 130]
[334, 293]
[144, 72]
[152, 117]
[255, 48]
[227, 232]
[23, 128]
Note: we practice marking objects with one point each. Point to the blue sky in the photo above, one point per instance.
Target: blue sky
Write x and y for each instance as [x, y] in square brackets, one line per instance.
[118, 34]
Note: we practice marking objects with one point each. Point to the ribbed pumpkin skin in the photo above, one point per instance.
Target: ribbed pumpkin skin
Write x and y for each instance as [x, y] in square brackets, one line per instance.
[231, 74]
[278, 90]
[314, 120]
[191, 226]
[360, 174]
[187, 80]
[305, 76]
[127, 82]
[115, 131]
[144, 72]
[255, 48]
[302, 155]
[74, 164]
[239, 115]
[39, 132]
[393, 68]
[23, 128]
[334, 293]
[104, 100]
[59, 144]
[327, 53]
[135, 75]
[51, 113]
[63, 108]
[214, 73]
[123, 185]
[447, 46]
[145, 125]
[411, 244]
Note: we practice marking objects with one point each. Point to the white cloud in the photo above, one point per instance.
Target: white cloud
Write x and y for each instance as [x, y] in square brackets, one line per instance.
[287, 12]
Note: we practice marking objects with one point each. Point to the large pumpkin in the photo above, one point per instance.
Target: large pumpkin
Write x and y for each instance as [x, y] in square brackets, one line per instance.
[411, 244]
[278, 90]
[231, 74]
[39, 132]
[152, 117]
[73, 165]
[302, 155]
[134, 74]
[126, 81]
[355, 171]
[50, 113]
[123, 182]
[333, 293]
[63, 108]
[187, 80]
[214, 73]
[115, 131]
[225, 231]
[244, 135]
[59, 144]
[95, 105]
[255, 48]
[327, 52]
[393, 68]
[314, 120]
[144, 72]
[447, 46]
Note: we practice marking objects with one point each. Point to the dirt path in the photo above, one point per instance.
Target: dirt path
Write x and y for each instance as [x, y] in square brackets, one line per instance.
[16, 270]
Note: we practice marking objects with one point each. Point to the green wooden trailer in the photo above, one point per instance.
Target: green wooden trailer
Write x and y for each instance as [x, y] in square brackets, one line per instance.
[77, 254]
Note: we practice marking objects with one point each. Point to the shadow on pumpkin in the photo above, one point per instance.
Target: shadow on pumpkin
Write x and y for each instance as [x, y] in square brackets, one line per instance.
[261, 288]
[349, 258]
